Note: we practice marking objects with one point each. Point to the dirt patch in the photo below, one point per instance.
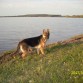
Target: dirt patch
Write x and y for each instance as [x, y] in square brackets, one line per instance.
[73, 40]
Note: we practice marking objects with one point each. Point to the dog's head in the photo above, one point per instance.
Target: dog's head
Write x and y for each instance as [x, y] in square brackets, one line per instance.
[46, 33]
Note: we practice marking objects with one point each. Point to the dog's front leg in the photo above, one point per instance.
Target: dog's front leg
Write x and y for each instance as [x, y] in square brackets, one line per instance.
[38, 51]
[42, 51]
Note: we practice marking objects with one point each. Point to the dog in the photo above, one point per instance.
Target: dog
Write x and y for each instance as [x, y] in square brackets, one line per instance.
[38, 42]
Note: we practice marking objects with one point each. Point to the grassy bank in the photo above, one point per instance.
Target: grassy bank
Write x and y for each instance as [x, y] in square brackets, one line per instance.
[61, 64]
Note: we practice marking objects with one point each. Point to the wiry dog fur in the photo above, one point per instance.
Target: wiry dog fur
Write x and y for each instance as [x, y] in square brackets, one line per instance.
[38, 42]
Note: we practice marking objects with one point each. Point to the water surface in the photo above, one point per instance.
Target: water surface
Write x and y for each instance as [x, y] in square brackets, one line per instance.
[14, 29]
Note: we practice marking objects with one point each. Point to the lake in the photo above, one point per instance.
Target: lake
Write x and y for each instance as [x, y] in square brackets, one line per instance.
[14, 29]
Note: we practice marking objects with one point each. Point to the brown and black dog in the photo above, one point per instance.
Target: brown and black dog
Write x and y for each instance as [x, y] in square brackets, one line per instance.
[38, 42]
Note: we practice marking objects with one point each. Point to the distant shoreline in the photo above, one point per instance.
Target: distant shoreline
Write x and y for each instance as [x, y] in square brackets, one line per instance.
[74, 16]
[46, 15]
[35, 15]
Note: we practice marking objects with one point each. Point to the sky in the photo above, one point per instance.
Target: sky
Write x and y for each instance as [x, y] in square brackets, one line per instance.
[61, 7]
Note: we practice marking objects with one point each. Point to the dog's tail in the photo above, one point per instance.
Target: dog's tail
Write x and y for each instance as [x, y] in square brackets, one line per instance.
[8, 57]
[17, 51]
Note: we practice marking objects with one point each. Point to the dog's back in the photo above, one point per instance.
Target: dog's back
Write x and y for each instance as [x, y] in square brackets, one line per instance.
[34, 41]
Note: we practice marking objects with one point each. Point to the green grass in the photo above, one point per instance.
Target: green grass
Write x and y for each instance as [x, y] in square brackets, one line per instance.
[62, 64]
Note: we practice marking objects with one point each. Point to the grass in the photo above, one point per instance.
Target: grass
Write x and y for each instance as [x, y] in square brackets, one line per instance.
[62, 64]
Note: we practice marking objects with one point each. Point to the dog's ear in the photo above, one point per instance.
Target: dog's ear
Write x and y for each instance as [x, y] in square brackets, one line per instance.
[43, 30]
[47, 30]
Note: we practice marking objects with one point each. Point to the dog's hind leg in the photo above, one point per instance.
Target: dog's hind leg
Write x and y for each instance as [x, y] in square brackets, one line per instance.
[24, 54]
[24, 50]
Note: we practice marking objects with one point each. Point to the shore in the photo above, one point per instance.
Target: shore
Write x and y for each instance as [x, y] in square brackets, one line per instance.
[74, 39]
[63, 62]
[78, 38]
[45, 15]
